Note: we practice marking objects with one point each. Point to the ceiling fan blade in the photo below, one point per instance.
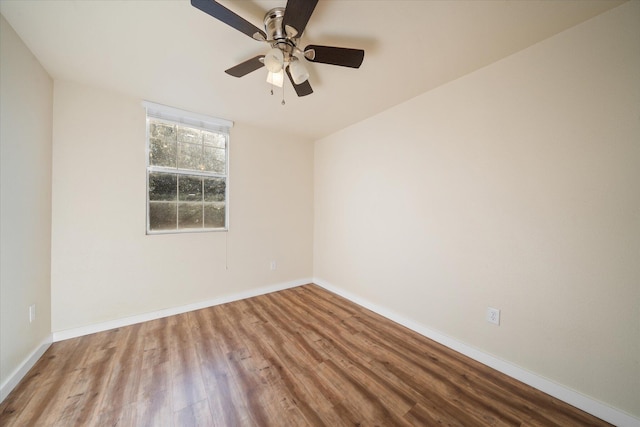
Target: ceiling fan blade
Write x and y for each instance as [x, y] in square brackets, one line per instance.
[342, 56]
[296, 16]
[246, 67]
[230, 18]
[303, 89]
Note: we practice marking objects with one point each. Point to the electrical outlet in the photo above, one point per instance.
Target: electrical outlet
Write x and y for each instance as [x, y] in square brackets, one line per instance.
[32, 313]
[273, 265]
[493, 315]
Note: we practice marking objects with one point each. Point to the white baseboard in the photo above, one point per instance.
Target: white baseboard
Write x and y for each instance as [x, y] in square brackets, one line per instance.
[20, 372]
[131, 320]
[572, 397]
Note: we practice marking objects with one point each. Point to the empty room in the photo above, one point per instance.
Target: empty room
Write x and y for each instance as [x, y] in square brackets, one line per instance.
[320, 212]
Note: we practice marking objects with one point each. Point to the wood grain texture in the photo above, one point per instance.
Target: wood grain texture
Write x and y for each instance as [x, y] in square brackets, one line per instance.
[298, 357]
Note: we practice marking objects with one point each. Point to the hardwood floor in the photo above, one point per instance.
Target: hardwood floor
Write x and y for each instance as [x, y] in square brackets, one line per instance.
[298, 357]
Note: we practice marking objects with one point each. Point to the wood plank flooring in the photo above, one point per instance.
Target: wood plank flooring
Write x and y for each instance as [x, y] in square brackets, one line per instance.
[299, 357]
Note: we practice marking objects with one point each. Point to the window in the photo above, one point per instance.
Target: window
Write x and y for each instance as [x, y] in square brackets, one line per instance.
[187, 171]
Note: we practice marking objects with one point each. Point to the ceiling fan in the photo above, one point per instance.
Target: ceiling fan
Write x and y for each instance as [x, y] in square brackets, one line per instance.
[284, 27]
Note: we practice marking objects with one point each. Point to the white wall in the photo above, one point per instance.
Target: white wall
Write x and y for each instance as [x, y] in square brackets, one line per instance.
[26, 98]
[105, 268]
[516, 187]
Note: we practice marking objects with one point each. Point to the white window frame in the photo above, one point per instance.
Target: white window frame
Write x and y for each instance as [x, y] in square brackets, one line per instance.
[172, 115]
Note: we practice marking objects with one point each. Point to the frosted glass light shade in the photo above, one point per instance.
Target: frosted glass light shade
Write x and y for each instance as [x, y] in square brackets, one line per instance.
[276, 79]
[299, 72]
[274, 60]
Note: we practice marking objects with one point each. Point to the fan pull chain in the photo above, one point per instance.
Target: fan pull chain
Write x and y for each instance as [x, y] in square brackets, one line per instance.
[283, 95]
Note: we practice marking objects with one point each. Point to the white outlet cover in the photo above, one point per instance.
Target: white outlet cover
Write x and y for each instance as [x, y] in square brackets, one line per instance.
[493, 315]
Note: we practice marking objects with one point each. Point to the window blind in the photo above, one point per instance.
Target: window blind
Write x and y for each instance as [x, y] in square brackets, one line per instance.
[176, 115]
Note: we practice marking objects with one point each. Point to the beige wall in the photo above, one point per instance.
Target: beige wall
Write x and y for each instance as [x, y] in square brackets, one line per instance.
[104, 267]
[26, 97]
[515, 187]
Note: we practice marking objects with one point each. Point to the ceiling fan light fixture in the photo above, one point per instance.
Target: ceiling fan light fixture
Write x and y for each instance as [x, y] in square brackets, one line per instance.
[274, 60]
[276, 79]
[298, 71]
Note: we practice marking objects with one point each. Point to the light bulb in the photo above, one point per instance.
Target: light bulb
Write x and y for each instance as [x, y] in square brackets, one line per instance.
[274, 60]
[298, 71]
[276, 79]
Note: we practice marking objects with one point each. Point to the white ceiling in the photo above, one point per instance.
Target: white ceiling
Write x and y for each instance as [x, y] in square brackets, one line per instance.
[172, 53]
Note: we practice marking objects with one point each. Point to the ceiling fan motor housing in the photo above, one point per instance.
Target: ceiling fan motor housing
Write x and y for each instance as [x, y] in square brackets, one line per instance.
[276, 33]
[273, 24]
